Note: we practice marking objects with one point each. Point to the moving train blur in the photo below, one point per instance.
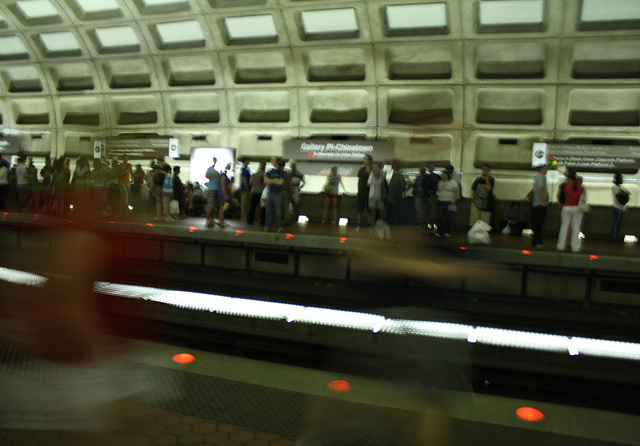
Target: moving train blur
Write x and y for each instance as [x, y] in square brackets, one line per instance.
[456, 82]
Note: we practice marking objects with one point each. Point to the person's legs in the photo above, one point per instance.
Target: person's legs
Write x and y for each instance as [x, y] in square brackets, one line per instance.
[474, 214]
[537, 222]
[166, 205]
[441, 210]
[616, 225]
[576, 224]
[420, 206]
[565, 219]
[277, 204]
[327, 201]
[251, 212]
[245, 201]
[211, 206]
[269, 211]
[431, 212]
[485, 216]
[334, 204]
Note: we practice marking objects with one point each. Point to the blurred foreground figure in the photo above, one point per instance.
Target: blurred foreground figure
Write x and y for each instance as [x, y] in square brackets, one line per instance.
[58, 367]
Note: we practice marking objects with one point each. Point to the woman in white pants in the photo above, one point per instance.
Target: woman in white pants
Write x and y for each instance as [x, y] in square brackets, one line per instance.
[571, 215]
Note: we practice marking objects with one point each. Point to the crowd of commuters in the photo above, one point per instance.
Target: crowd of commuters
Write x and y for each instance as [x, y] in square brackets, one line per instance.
[272, 195]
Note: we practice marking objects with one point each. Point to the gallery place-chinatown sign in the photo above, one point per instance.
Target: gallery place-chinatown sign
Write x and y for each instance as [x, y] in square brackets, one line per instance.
[588, 158]
[344, 151]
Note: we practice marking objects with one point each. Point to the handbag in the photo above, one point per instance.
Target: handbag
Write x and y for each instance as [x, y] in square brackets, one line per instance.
[623, 197]
[582, 203]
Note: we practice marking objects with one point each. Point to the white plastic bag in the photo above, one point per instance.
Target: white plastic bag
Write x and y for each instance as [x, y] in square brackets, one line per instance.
[479, 233]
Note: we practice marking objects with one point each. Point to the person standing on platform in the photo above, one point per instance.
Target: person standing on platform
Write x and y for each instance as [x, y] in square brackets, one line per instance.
[448, 193]
[179, 193]
[245, 188]
[22, 183]
[225, 195]
[33, 196]
[213, 188]
[417, 189]
[482, 197]
[137, 185]
[286, 197]
[377, 186]
[124, 171]
[397, 187]
[430, 189]
[297, 183]
[539, 203]
[46, 185]
[332, 194]
[159, 171]
[274, 179]
[257, 187]
[363, 189]
[571, 215]
[620, 199]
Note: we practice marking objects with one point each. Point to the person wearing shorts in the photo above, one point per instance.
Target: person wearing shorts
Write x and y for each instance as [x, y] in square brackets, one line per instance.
[331, 195]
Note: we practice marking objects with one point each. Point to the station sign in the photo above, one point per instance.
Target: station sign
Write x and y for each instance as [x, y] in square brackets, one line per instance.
[137, 148]
[588, 157]
[337, 151]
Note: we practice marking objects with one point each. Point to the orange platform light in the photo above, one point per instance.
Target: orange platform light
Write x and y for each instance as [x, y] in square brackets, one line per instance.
[183, 358]
[339, 386]
[529, 414]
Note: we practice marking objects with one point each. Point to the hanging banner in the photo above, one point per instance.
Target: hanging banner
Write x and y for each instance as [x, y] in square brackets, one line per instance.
[339, 151]
[98, 149]
[588, 158]
[174, 148]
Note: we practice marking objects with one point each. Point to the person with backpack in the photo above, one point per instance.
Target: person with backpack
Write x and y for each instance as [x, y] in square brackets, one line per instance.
[620, 199]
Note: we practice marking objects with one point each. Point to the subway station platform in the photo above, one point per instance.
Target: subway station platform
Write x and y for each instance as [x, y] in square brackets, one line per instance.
[261, 380]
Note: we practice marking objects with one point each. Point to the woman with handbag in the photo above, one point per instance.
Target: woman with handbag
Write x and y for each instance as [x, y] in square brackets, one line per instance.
[572, 212]
[447, 195]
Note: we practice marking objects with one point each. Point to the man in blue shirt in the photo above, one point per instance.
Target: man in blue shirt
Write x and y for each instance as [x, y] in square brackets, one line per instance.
[274, 179]
[213, 188]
